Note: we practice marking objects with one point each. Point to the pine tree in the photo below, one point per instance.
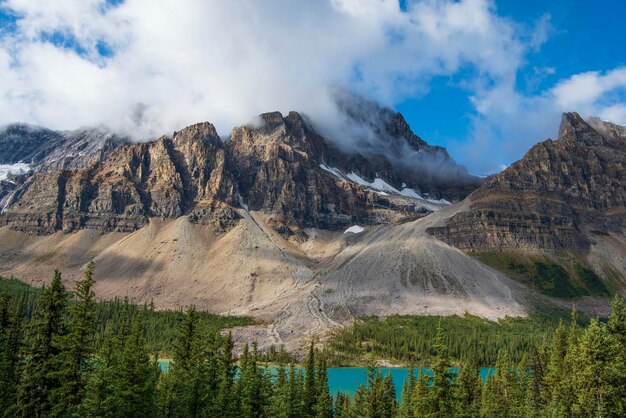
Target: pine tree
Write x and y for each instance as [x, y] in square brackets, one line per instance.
[468, 390]
[11, 317]
[250, 385]
[295, 392]
[389, 405]
[421, 394]
[339, 404]
[310, 388]
[135, 388]
[279, 406]
[38, 377]
[556, 363]
[617, 331]
[100, 390]
[361, 402]
[441, 393]
[406, 406]
[323, 401]
[184, 366]
[597, 367]
[226, 402]
[76, 349]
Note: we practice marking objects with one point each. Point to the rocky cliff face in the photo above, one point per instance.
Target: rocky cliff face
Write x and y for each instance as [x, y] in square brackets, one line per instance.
[277, 167]
[168, 178]
[555, 198]
[92, 179]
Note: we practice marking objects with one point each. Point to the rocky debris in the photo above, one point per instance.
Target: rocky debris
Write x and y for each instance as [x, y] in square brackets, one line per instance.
[553, 197]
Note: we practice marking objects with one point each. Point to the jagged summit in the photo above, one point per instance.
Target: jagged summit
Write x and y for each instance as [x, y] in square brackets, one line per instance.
[91, 178]
[550, 198]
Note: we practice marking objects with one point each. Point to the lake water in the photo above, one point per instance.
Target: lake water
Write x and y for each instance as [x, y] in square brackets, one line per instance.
[348, 379]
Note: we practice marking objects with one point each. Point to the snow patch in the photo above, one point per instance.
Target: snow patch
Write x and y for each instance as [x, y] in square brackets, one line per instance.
[332, 171]
[410, 193]
[242, 204]
[383, 188]
[355, 229]
[7, 170]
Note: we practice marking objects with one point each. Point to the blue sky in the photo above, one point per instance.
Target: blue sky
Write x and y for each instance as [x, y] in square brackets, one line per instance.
[583, 36]
[486, 79]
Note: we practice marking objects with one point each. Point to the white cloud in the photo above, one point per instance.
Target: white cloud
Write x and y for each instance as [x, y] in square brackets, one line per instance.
[508, 122]
[176, 63]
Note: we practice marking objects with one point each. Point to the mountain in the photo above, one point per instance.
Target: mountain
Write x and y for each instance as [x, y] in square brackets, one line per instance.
[309, 231]
[283, 167]
[564, 201]
[47, 150]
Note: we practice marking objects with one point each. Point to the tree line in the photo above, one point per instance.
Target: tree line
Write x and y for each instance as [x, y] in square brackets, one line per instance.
[408, 339]
[54, 366]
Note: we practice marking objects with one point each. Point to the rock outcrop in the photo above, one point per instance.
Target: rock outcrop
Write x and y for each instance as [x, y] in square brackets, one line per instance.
[167, 178]
[557, 197]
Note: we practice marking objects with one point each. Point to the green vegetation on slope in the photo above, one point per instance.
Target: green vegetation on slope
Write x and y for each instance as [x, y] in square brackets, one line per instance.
[407, 339]
[567, 279]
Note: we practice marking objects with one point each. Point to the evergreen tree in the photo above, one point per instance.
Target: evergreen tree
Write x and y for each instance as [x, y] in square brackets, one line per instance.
[279, 406]
[406, 405]
[597, 363]
[101, 384]
[389, 404]
[295, 392]
[135, 388]
[339, 404]
[76, 349]
[502, 395]
[38, 379]
[11, 322]
[361, 402]
[250, 385]
[226, 402]
[617, 331]
[468, 390]
[441, 396]
[323, 402]
[310, 388]
[183, 373]
[421, 402]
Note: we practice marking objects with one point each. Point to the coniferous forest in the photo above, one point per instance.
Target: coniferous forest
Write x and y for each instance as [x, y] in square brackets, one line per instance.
[66, 355]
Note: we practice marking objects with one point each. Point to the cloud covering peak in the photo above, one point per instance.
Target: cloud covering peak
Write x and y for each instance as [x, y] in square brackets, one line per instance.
[149, 67]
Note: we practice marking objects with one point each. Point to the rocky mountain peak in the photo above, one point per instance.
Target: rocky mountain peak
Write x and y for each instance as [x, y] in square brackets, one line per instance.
[280, 165]
[550, 198]
[203, 131]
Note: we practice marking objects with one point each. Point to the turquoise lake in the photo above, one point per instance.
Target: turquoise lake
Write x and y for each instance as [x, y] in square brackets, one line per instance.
[348, 379]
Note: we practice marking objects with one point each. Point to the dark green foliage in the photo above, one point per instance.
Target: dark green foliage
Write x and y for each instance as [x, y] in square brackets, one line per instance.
[11, 323]
[591, 280]
[408, 338]
[76, 349]
[564, 278]
[40, 371]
